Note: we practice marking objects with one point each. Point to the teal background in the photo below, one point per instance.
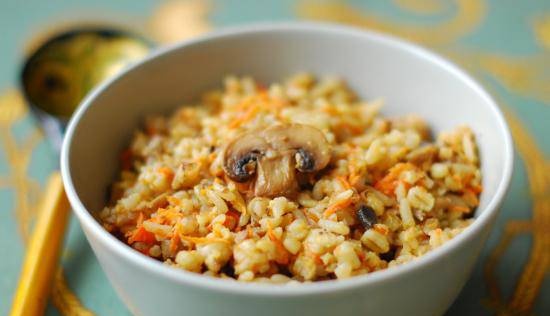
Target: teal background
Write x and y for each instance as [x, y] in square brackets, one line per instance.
[505, 30]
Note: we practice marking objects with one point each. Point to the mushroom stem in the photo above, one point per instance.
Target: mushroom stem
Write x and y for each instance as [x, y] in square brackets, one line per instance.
[276, 177]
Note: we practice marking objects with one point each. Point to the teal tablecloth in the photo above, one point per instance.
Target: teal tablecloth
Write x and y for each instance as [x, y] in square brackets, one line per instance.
[504, 43]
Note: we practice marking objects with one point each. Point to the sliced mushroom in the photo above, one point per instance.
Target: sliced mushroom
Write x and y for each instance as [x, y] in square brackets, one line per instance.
[241, 156]
[275, 176]
[273, 155]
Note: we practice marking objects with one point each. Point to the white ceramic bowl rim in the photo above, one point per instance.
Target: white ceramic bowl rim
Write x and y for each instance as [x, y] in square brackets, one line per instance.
[231, 286]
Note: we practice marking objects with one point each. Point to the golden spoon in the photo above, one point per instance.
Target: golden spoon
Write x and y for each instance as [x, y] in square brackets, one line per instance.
[54, 80]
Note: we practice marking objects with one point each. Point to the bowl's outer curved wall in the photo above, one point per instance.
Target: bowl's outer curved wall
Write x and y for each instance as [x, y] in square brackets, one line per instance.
[410, 81]
[424, 292]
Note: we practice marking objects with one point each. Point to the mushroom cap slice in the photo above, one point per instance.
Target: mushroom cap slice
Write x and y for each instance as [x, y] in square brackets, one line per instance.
[241, 156]
[309, 143]
[273, 155]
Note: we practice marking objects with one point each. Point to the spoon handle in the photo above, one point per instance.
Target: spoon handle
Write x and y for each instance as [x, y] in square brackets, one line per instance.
[42, 254]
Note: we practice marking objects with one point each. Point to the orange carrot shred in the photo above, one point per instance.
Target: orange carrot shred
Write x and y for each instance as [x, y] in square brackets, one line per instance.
[174, 243]
[336, 207]
[142, 235]
[381, 229]
[389, 182]
[203, 240]
[317, 258]
[231, 219]
[458, 208]
[361, 255]
[283, 255]
[244, 117]
[167, 172]
[477, 189]
[311, 216]
[344, 182]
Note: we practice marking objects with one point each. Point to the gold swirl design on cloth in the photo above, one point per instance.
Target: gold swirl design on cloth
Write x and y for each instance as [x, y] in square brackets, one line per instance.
[63, 298]
[532, 276]
[527, 76]
[422, 6]
[469, 14]
[541, 28]
[13, 109]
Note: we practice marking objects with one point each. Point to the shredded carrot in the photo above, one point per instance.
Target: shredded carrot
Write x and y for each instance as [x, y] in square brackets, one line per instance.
[311, 216]
[471, 196]
[244, 117]
[249, 232]
[361, 256]
[174, 243]
[167, 172]
[459, 208]
[244, 104]
[354, 179]
[457, 178]
[330, 110]
[262, 95]
[336, 207]
[142, 235]
[166, 216]
[344, 182]
[477, 189]
[173, 200]
[381, 229]
[317, 258]
[231, 219]
[283, 255]
[211, 157]
[278, 104]
[389, 182]
[354, 175]
[108, 227]
[203, 240]
[353, 129]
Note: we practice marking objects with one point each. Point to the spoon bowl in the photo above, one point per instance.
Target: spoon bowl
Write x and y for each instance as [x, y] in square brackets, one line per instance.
[57, 75]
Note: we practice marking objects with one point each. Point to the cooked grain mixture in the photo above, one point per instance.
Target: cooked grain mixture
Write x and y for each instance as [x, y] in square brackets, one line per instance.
[297, 181]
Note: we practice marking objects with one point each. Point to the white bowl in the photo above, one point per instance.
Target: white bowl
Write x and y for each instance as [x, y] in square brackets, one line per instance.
[411, 79]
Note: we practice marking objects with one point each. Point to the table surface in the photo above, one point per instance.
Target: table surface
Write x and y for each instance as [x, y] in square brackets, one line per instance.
[503, 43]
